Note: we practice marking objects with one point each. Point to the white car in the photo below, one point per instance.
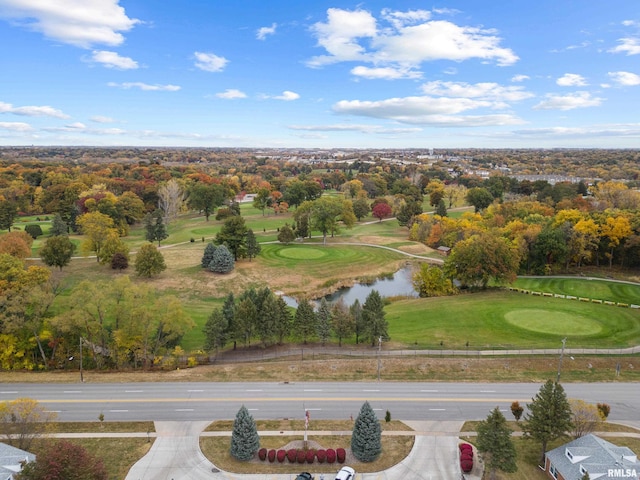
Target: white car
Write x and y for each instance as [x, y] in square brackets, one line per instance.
[346, 473]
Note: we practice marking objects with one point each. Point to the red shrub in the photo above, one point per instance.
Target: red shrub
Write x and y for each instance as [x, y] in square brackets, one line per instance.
[466, 456]
[311, 455]
[302, 456]
[466, 465]
[291, 455]
[321, 455]
[262, 453]
[281, 455]
[331, 455]
[465, 446]
[341, 454]
[271, 455]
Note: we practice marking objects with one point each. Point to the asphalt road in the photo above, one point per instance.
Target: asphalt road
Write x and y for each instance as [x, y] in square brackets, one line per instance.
[213, 401]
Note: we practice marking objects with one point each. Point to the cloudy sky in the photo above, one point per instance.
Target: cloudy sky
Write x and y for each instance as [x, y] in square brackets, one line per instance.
[291, 73]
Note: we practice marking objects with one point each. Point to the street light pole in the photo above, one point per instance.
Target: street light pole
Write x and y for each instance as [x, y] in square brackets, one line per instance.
[564, 341]
[81, 376]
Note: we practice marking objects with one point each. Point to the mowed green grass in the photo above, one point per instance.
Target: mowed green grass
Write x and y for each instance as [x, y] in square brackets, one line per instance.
[501, 320]
[610, 291]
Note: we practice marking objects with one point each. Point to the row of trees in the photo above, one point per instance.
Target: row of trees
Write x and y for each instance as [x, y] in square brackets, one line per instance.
[262, 315]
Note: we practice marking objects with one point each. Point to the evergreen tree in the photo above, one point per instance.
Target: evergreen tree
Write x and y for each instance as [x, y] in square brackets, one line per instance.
[222, 261]
[283, 327]
[305, 320]
[441, 208]
[233, 234]
[58, 226]
[214, 331]
[494, 441]
[358, 321]
[323, 324]
[286, 234]
[245, 441]
[207, 256]
[366, 438]
[252, 245]
[373, 318]
[229, 312]
[549, 415]
[245, 320]
[155, 229]
[268, 314]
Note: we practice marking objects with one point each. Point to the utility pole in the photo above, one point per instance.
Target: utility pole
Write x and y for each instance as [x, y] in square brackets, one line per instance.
[564, 341]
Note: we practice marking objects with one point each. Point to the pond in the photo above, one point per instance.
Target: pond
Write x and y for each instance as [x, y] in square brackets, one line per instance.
[400, 285]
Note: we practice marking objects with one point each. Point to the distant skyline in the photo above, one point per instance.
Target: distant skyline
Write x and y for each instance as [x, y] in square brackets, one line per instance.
[320, 74]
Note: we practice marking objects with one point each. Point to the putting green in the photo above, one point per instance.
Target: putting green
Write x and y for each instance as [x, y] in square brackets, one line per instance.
[550, 321]
[302, 253]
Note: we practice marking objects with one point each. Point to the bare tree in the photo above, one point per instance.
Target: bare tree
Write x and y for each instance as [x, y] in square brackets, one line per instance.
[23, 420]
[170, 199]
[586, 417]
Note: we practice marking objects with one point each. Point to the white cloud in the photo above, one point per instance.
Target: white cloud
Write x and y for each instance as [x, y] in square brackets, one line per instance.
[348, 127]
[16, 126]
[409, 40]
[287, 96]
[264, 32]
[210, 62]
[231, 94]
[385, 73]
[113, 60]
[520, 78]
[589, 132]
[32, 111]
[338, 36]
[625, 78]
[82, 23]
[628, 45]
[571, 80]
[145, 86]
[486, 90]
[102, 119]
[568, 102]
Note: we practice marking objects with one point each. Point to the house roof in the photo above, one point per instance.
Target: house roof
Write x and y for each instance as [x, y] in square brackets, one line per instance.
[601, 459]
[11, 459]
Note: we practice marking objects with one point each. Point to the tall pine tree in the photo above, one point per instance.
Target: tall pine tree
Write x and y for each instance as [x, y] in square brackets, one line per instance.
[549, 415]
[305, 320]
[245, 441]
[324, 317]
[366, 438]
[373, 318]
[494, 441]
[252, 245]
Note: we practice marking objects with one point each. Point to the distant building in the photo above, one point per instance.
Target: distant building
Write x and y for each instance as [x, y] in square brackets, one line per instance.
[11, 461]
[442, 250]
[590, 454]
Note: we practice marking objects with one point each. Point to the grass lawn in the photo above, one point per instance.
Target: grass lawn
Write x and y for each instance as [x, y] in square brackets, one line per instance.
[581, 287]
[508, 320]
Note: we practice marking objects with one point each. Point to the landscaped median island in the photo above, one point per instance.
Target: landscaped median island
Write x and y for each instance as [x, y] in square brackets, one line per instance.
[322, 435]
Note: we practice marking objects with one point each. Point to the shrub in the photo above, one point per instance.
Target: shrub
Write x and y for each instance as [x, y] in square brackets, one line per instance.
[321, 455]
[466, 465]
[34, 230]
[331, 455]
[119, 261]
[311, 455]
[271, 455]
[604, 410]
[291, 455]
[466, 455]
[262, 454]
[301, 456]
[281, 455]
[192, 239]
[341, 455]
[465, 447]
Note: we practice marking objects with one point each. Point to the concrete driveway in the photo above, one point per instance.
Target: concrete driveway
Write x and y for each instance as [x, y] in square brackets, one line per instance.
[176, 455]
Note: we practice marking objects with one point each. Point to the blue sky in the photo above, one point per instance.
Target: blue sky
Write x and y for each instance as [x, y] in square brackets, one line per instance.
[320, 74]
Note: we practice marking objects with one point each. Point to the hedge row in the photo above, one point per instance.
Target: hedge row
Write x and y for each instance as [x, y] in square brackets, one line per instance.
[294, 455]
[466, 457]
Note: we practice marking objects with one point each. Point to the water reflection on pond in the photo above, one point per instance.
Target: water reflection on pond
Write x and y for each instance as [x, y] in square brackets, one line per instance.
[400, 285]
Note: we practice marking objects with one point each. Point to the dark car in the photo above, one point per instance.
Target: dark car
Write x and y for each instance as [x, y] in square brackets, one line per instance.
[304, 476]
